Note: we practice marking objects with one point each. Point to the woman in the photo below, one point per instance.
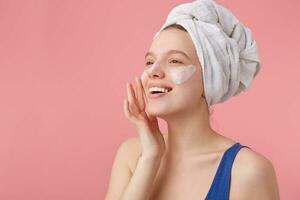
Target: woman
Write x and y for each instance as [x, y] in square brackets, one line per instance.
[190, 66]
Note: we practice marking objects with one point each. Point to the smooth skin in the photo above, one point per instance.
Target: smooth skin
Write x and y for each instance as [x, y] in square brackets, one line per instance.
[180, 164]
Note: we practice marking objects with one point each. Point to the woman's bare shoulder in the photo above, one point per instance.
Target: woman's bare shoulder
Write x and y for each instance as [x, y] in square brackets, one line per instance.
[253, 174]
[248, 159]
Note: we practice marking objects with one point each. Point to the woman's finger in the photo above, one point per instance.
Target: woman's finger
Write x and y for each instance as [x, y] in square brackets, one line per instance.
[127, 113]
[125, 108]
[132, 101]
[139, 94]
[130, 98]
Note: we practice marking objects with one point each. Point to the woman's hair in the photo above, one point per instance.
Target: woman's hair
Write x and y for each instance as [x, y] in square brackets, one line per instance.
[177, 26]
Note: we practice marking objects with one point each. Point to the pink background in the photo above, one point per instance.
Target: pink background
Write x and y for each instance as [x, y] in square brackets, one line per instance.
[63, 69]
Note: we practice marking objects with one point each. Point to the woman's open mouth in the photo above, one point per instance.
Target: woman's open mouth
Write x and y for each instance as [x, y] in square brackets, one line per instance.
[157, 94]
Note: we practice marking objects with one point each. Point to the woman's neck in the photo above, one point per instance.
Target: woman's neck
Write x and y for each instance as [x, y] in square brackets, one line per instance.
[189, 132]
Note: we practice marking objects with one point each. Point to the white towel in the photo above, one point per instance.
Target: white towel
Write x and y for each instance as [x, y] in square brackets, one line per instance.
[225, 47]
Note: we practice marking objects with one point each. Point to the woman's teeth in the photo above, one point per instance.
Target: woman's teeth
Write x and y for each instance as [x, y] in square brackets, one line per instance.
[158, 90]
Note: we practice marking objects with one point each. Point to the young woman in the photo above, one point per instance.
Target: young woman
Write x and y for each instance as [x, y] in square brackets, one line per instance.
[191, 161]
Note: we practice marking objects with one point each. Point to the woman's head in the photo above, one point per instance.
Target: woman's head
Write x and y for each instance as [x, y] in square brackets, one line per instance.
[225, 47]
[181, 71]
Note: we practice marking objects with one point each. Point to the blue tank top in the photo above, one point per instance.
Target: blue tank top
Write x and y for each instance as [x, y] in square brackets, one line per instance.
[219, 189]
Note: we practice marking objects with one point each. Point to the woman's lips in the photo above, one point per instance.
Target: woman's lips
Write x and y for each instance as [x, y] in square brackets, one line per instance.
[157, 95]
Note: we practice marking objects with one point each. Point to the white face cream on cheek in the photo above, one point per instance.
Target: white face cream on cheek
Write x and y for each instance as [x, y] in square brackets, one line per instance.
[182, 73]
[179, 74]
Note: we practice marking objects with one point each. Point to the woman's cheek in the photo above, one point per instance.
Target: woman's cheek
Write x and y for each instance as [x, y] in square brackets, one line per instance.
[181, 74]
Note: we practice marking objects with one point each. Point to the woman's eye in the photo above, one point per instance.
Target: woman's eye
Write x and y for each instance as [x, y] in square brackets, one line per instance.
[176, 61]
[149, 63]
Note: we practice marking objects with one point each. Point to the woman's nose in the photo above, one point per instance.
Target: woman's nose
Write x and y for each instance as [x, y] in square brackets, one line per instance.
[156, 71]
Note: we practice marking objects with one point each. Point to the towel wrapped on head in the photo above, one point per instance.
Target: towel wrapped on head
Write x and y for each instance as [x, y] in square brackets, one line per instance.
[225, 47]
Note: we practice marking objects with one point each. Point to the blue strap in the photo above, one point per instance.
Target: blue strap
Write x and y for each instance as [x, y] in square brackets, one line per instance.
[220, 187]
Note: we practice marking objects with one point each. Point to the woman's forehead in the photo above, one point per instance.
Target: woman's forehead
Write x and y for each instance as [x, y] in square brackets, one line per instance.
[169, 52]
[172, 40]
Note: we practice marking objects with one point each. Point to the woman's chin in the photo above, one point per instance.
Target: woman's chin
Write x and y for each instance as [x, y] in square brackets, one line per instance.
[158, 111]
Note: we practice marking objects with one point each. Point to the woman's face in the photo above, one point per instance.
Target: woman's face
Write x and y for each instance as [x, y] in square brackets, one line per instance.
[165, 65]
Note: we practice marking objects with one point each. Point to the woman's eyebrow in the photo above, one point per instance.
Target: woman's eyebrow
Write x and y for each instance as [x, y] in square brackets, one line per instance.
[169, 52]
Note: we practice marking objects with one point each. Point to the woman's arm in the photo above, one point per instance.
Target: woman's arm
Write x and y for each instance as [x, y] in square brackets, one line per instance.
[152, 143]
[142, 180]
[126, 186]
[120, 173]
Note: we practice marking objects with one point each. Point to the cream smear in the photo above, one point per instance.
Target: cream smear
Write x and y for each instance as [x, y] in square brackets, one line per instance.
[182, 73]
[178, 74]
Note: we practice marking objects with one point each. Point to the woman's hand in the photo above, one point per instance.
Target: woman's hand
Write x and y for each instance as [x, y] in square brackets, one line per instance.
[152, 140]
